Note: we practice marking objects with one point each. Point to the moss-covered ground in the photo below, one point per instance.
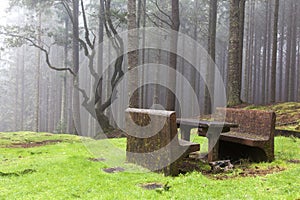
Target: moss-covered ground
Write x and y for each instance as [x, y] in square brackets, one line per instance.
[287, 114]
[66, 169]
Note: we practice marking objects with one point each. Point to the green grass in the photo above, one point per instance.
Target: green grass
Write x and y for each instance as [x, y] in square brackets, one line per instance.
[63, 171]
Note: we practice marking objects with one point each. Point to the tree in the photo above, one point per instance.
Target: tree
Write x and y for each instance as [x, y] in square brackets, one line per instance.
[93, 104]
[37, 112]
[132, 55]
[235, 52]
[212, 52]
[274, 53]
[173, 56]
[288, 54]
[292, 82]
[76, 100]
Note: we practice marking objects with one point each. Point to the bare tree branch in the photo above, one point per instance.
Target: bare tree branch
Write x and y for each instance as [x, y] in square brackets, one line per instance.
[87, 35]
[43, 50]
[153, 22]
[164, 13]
[85, 47]
[162, 20]
[111, 26]
[68, 9]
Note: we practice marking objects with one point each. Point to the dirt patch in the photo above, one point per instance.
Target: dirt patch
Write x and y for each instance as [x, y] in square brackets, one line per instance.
[113, 169]
[152, 186]
[97, 159]
[240, 169]
[248, 172]
[20, 173]
[295, 161]
[189, 166]
[260, 172]
[33, 144]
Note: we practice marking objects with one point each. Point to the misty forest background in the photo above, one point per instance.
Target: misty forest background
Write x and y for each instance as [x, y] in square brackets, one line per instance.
[44, 45]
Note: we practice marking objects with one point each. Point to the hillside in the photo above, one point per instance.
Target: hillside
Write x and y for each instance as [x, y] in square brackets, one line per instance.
[287, 114]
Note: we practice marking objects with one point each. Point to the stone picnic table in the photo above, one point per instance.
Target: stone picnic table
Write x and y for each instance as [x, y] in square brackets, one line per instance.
[210, 129]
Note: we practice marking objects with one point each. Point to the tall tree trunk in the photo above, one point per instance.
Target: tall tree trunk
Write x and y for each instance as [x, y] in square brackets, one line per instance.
[17, 85]
[251, 52]
[49, 102]
[100, 39]
[264, 56]
[22, 111]
[133, 55]
[293, 57]
[92, 125]
[280, 82]
[192, 70]
[143, 52]
[234, 67]
[255, 58]
[269, 53]
[210, 77]
[76, 99]
[288, 54]
[247, 56]
[274, 53]
[140, 54]
[63, 118]
[37, 109]
[173, 56]
[70, 122]
[241, 36]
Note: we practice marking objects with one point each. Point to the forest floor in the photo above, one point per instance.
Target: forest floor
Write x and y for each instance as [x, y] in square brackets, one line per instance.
[61, 166]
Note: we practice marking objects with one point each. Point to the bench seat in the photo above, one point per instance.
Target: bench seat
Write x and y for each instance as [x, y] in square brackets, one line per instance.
[244, 138]
[252, 139]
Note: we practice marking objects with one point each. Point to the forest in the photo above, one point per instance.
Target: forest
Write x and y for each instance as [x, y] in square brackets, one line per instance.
[149, 99]
[70, 66]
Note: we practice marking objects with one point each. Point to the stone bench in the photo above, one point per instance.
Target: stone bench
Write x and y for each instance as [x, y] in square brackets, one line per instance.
[152, 140]
[252, 139]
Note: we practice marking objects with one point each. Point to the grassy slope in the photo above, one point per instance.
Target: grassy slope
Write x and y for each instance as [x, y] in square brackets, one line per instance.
[287, 114]
[64, 171]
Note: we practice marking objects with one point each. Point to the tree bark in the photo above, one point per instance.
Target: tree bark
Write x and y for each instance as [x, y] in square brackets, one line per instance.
[132, 55]
[288, 55]
[251, 52]
[247, 58]
[264, 55]
[274, 53]
[234, 67]
[22, 114]
[210, 77]
[173, 56]
[76, 100]
[63, 117]
[269, 53]
[37, 109]
[293, 57]
[280, 96]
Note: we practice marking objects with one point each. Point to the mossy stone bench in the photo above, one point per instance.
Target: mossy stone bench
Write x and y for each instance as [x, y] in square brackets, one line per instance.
[252, 139]
[152, 140]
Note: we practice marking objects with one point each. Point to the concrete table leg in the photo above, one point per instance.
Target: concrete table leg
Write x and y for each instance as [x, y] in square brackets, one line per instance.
[213, 145]
[185, 132]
